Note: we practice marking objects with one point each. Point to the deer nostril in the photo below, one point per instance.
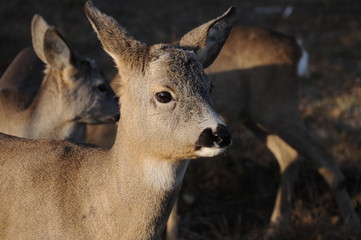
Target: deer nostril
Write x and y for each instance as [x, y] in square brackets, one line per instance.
[222, 136]
[206, 139]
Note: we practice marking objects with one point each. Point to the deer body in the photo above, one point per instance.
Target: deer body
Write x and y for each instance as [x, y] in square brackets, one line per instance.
[58, 190]
[70, 193]
[258, 64]
[71, 94]
[255, 80]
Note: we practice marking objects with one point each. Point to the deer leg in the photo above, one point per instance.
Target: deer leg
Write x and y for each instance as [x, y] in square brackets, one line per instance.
[172, 224]
[318, 157]
[286, 157]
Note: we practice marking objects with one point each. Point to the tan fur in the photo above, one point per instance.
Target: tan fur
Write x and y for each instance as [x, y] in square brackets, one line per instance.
[68, 96]
[58, 190]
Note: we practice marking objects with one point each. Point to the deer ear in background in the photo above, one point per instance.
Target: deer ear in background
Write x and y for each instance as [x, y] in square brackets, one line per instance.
[207, 40]
[49, 45]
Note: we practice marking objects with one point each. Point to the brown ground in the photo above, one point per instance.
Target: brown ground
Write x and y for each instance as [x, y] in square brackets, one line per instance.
[232, 197]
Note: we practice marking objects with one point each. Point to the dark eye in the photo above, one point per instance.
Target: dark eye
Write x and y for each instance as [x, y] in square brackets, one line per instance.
[102, 87]
[164, 97]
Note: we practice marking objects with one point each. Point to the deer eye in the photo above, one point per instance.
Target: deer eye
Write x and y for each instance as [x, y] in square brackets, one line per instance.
[164, 97]
[102, 87]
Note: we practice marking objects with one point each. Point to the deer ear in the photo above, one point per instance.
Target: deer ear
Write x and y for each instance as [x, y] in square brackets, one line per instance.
[121, 46]
[57, 52]
[207, 40]
[38, 29]
[49, 45]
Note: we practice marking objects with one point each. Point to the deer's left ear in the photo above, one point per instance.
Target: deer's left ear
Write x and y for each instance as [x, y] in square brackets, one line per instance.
[207, 40]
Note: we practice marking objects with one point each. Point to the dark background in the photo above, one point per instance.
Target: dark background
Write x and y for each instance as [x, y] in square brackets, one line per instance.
[232, 197]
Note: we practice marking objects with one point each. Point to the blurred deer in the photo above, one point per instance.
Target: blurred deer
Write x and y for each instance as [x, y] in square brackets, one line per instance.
[255, 79]
[57, 190]
[104, 134]
[58, 104]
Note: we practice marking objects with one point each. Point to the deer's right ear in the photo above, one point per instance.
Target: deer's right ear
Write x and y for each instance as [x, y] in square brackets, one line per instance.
[49, 45]
[121, 46]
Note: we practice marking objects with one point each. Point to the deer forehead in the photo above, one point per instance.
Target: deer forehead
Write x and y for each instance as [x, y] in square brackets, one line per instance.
[178, 68]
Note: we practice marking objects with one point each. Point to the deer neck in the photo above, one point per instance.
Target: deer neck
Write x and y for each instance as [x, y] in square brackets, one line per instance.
[48, 116]
[147, 187]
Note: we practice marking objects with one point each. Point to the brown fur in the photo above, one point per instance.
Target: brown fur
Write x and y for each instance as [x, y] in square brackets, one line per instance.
[58, 190]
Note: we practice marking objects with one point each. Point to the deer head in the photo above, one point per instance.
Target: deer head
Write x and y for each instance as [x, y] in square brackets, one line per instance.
[85, 93]
[164, 91]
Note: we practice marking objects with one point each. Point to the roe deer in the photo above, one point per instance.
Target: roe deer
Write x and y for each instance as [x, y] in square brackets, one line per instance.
[72, 93]
[58, 190]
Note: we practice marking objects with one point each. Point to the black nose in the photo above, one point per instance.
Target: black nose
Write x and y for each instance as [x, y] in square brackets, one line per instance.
[221, 137]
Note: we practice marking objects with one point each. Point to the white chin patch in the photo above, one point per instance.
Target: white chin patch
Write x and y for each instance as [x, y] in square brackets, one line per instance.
[209, 151]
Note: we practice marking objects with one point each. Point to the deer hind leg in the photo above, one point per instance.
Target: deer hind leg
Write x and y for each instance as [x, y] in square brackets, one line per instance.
[317, 156]
[286, 157]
